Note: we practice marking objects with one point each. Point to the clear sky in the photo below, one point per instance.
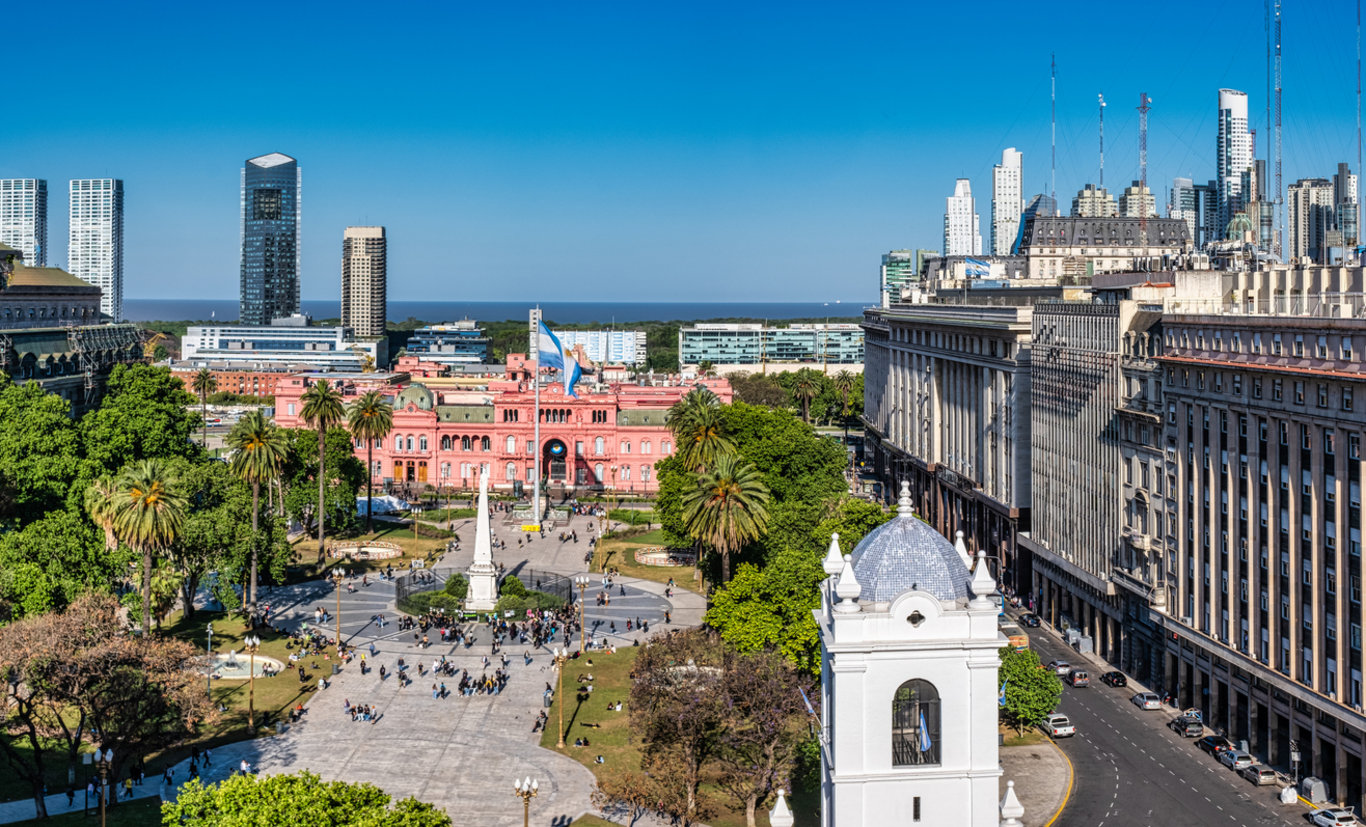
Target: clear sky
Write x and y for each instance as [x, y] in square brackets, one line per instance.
[634, 151]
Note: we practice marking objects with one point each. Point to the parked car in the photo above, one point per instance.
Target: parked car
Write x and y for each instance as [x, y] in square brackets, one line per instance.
[1259, 774]
[1114, 679]
[1236, 759]
[1147, 700]
[1214, 744]
[1333, 817]
[1030, 620]
[1078, 678]
[1058, 725]
[1060, 667]
[1186, 727]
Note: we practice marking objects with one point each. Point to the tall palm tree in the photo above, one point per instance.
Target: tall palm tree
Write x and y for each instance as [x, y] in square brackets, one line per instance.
[204, 384]
[844, 385]
[698, 429]
[149, 517]
[102, 504]
[806, 389]
[322, 409]
[259, 452]
[370, 418]
[728, 508]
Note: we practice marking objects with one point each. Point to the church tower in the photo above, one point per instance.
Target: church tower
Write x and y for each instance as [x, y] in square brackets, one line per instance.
[909, 666]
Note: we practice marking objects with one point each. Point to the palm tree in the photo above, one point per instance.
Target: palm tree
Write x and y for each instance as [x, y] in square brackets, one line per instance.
[728, 508]
[259, 452]
[102, 504]
[698, 428]
[806, 389]
[844, 385]
[322, 409]
[204, 384]
[370, 418]
[149, 517]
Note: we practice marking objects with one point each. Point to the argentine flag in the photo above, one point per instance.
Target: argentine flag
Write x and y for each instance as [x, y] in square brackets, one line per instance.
[1001, 699]
[552, 354]
[925, 742]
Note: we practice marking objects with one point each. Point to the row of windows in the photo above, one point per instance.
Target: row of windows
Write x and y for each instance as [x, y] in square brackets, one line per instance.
[1321, 346]
[469, 443]
[1324, 395]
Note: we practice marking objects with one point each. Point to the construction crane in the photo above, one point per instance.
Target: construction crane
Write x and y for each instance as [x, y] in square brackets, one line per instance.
[367, 362]
[149, 348]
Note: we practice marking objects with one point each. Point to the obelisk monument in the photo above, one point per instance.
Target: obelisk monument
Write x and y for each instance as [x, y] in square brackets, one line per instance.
[483, 593]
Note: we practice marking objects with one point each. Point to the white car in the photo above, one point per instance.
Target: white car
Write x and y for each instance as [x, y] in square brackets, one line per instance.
[1058, 725]
[1147, 700]
[1334, 817]
[1236, 759]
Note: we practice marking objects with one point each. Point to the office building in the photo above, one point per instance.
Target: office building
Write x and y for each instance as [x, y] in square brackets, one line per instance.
[271, 201]
[276, 347]
[736, 347]
[1094, 202]
[95, 248]
[454, 343]
[23, 218]
[1070, 250]
[962, 226]
[897, 275]
[615, 347]
[364, 280]
[1007, 201]
[1137, 202]
[1310, 203]
[1345, 205]
[1233, 156]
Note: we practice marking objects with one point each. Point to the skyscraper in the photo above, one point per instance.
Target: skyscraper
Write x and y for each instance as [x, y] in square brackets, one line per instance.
[1345, 203]
[1310, 214]
[1007, 201]
[1234, 155]
[364, 277]
[1183, 203]
[95, 243]
[1137, 201]
[962, 226]
[23, 218]
[1094, 202]
[271, 190]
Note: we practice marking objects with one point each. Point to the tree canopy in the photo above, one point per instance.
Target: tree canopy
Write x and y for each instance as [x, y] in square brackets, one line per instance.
[1031, 691]
[297, 800]
[145, 414]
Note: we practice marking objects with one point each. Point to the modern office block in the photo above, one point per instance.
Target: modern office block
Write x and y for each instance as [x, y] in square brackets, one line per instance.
[1007, 201]
[454, 343]
[95, 247]
[620, 347]
[23, 218]
[271, 192]
[962, 226]
[364, 280]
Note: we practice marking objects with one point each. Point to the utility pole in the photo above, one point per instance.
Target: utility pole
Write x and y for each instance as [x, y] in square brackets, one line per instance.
[1101, 98]
[1053, 115]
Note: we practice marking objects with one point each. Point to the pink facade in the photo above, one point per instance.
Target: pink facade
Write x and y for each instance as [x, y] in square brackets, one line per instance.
[609, 438]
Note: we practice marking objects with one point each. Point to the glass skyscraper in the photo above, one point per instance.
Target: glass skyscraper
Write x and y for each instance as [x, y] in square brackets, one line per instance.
[94, 249]
[271, 186]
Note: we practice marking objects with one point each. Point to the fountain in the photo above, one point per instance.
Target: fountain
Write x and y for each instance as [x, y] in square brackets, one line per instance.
[229, 668]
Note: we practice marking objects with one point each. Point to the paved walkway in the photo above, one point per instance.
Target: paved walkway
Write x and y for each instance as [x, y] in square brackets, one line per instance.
[1042, 778]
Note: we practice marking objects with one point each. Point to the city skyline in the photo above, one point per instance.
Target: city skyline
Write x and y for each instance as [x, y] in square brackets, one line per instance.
[606, 137]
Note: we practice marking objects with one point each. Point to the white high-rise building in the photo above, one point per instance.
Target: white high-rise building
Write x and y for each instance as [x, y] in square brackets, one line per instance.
[1007, 201]
[95, 247]
[23, 218]
[1234, 155]
[962, 226]
[1137, 202]
[618, 347]
[364, 288]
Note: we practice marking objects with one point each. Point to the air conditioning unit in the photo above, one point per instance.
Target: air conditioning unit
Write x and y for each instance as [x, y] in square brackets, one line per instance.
[1186, 620]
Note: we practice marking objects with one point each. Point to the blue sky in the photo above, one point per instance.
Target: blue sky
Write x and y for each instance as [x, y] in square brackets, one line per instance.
[628, 151]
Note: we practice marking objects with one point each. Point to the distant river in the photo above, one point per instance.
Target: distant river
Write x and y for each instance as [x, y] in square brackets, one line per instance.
[605, 313]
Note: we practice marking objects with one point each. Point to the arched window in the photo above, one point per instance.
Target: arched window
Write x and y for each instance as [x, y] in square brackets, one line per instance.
[483, 443]
[665, 447]
[625, 447]
[410, 442]
[645, 447]
[511, 471]
[626, 472]
[512, 448]
[422, 443]
[398, 443]
[445, 444]
[597, 451]
[915, 724]
[597, 473]
[644, 473]
[464, 444]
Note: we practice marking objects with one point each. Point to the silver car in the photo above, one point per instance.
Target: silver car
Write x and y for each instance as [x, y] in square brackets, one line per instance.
[1147, 700]
[1236, 759]
[1259, 774]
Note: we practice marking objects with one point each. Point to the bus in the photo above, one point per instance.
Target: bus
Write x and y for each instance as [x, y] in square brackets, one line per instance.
[1018, 640]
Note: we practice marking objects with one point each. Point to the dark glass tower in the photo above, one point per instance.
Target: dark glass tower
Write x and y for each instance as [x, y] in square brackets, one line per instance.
[270, 238]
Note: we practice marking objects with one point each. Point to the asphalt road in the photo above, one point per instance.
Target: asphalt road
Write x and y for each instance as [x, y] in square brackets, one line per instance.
[1130, 769]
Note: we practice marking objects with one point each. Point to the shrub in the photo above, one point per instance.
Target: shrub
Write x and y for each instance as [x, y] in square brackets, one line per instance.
[631, 516]
[457, 586]
[513, 587]
[528, 600]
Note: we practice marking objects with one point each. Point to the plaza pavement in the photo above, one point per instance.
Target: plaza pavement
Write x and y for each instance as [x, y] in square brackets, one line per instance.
[459, 753]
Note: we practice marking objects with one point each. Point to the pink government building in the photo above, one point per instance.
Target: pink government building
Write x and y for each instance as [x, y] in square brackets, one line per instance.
[447, 428]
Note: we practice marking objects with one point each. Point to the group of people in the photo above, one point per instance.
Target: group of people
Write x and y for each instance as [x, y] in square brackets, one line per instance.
[365, 713]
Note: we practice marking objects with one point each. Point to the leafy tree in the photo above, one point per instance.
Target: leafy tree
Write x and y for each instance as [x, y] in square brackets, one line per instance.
[149, 516]
[795, 461]
[370, 419]
[699, 429]
[39, 450]
[759, 389]
[259, 451]
[302, 800]
[204, 384]
[727, 509]
[346, 474]
[322, 410]
[50, 562]
[217, 531]
[675, 480]
[1031, 690]
[145, 415]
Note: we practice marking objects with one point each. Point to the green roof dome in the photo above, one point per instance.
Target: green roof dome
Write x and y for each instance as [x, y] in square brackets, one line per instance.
[418, 394]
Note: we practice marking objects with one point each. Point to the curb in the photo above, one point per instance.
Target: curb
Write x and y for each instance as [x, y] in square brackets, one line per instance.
[1071, 778]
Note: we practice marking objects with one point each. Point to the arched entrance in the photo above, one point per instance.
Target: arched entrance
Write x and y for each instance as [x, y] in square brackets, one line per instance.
[553, 460]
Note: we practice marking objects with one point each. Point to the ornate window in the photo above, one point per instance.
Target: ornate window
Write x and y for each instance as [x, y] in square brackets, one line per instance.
[465, 446]
[410, 443]
[511, 471]
[483, 443]
[512, 448]
[915, 724]
[398, 443]
[597, 451]
[446, 443]
[422, 443]
[597, 473]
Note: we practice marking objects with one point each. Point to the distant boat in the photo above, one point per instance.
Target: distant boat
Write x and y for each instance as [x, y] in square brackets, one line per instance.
[211, 313]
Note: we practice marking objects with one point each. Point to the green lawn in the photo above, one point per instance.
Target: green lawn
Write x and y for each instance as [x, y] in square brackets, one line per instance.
[427, 547]
[139, 812]
[619, 553]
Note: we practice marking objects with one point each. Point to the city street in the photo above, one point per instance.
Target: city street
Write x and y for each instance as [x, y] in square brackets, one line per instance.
[1132, 770]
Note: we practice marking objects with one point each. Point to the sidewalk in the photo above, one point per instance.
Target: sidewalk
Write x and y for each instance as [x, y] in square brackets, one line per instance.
[1043, 780]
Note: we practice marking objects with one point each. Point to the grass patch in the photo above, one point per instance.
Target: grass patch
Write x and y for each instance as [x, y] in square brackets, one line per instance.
[444, 515]
[427, 547]
[591, 821]
[1029, 738]
[619, 553]
[632, 517]
[136, 813]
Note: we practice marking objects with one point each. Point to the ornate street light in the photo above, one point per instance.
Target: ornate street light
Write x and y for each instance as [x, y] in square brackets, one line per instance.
[251, 643]
[337, 575]
[526, 790]
[582, 581]
[561, 657]
[104, 758]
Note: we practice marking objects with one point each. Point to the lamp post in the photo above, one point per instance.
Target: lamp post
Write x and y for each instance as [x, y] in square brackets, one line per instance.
[251, 643]
[208, 674]
[581, 580]
[614, 497]
[337, 575]
[526, 790]
[103, 759]
[561, 656]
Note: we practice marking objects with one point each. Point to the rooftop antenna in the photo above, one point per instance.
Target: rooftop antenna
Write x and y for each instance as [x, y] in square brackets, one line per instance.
[1357, 240]
[1053, 112]
[1101, 98]
[1280, 214]
[1144, 105]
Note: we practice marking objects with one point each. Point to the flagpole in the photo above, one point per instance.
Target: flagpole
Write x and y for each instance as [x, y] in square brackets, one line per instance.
[536, 383]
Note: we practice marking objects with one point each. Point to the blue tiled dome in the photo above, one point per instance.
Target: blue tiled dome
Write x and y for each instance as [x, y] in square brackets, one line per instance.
[905, 553]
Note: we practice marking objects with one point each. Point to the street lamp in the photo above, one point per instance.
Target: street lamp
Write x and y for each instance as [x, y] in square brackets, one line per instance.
[561, 657]
[251, 643]
[337, 575]
[526, 790]
[208, 674]
[103, 759]
[614, 498]
[581, 580]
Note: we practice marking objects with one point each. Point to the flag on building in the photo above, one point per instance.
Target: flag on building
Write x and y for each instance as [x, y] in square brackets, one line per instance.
[925, 742]
[1001, 699]
[977, 269]
[552, 354]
